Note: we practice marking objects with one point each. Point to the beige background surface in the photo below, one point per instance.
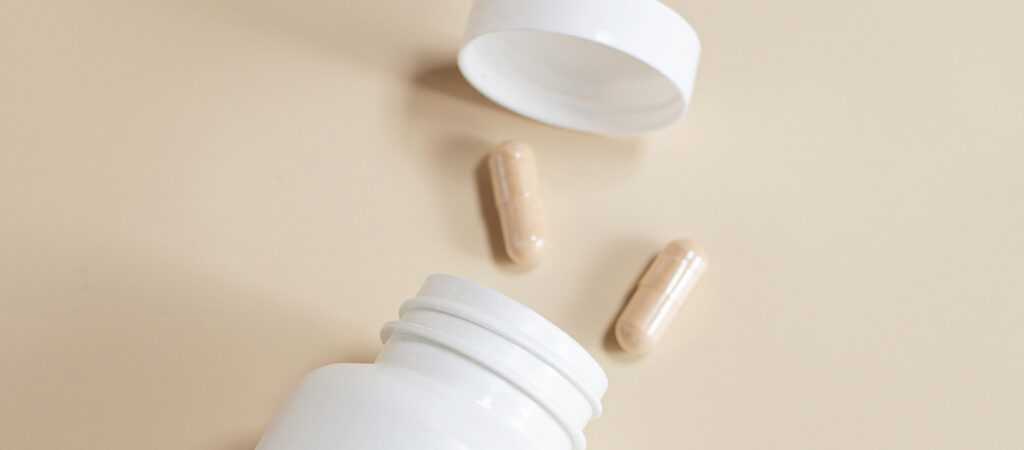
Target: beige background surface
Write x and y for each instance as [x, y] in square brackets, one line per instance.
[204, 200]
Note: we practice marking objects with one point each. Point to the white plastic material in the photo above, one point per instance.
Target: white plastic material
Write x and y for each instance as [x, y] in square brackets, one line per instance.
[602, 66]
[465, 368]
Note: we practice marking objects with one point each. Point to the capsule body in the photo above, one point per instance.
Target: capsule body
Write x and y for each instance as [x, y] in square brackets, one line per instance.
[516, 186]
[659, 295]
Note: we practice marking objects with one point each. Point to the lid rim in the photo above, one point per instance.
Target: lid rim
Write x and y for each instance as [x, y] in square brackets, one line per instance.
[471, 77]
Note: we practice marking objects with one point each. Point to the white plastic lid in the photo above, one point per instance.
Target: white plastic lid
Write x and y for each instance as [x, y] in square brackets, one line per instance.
[601, 66]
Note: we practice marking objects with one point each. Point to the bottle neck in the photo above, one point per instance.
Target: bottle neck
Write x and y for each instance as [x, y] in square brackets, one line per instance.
[506, 358]
[491, 399]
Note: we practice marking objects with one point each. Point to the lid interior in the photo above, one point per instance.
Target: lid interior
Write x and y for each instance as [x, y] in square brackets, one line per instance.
[570, 82]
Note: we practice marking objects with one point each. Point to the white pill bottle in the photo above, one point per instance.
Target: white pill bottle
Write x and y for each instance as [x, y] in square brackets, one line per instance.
[465, 368]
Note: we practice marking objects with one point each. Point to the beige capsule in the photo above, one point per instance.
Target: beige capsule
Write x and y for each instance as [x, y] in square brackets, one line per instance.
[517, 196]
[659, 295]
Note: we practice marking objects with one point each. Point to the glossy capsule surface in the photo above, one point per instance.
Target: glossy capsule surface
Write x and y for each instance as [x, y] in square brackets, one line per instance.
[659, 295]
[516, 186]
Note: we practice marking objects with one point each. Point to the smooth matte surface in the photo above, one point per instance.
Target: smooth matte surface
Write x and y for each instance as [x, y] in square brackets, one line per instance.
[203, 201]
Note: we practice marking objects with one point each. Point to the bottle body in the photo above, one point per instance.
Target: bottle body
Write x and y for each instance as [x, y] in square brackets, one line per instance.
[465, 368]
[368, 407]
